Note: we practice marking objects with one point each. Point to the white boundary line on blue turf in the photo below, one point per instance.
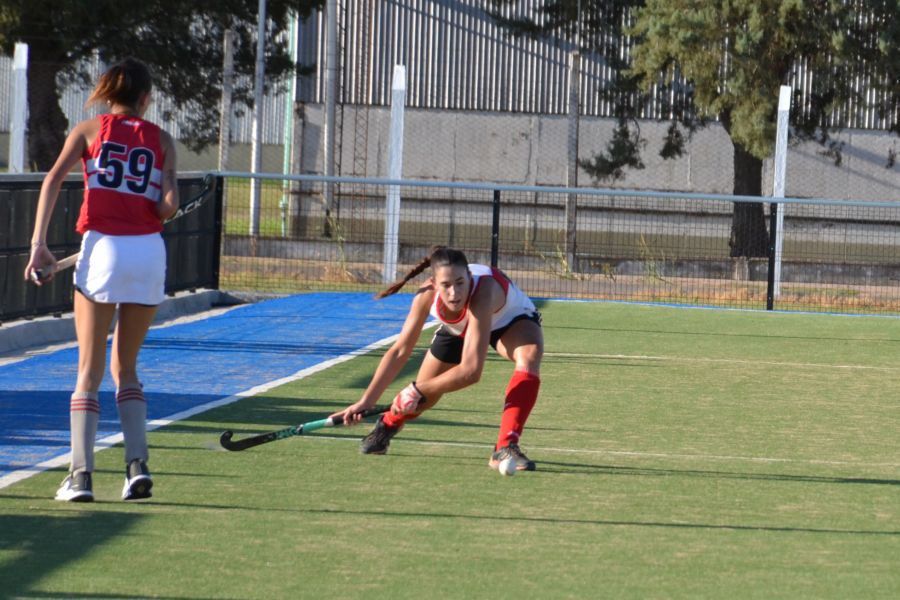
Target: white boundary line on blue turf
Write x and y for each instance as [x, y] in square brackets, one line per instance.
[63, 460]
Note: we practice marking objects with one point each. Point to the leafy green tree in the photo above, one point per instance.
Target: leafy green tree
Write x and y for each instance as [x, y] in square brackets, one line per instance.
[181, 41]
[724, 60]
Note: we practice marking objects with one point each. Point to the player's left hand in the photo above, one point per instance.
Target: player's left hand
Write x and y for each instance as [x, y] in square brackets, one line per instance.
[408, 400]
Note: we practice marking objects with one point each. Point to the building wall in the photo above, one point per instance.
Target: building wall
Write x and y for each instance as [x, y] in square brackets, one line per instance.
[530, 149]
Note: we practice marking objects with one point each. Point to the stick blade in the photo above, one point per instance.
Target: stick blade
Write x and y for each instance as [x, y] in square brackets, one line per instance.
[237, 445]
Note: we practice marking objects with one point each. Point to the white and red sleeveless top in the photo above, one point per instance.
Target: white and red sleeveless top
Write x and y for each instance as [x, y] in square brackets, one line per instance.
[122, 178]
[517, 302]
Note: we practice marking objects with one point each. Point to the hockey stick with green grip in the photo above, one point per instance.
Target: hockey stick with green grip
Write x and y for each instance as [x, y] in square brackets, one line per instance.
[264, 438]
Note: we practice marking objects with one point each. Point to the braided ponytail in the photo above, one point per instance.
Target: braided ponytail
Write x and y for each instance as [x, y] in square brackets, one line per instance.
[439, 256]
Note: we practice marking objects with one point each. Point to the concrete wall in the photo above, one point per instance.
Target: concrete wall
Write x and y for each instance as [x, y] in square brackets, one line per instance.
[531, 150]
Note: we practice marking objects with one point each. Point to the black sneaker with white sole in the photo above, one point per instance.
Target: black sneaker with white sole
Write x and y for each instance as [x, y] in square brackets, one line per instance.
[137, 481]
[523, 463]
[76, 487]
[378, 441]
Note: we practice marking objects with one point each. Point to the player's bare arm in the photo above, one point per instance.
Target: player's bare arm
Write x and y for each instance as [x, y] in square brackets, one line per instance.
[486, 299]
[73, 148]
[169, 202]
[395, 358]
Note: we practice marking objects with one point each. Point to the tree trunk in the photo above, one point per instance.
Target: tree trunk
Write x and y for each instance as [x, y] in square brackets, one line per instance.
[47, 123]
[749, 237]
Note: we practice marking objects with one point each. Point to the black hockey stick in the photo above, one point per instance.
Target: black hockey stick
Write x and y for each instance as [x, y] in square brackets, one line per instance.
[192, 205]
[264, 438]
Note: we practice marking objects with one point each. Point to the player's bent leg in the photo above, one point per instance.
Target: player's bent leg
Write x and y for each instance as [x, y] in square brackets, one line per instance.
[523, 344]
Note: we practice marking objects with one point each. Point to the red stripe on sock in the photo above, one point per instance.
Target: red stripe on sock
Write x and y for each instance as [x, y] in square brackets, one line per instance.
[521, 396]
[84, 406]
[130, 394]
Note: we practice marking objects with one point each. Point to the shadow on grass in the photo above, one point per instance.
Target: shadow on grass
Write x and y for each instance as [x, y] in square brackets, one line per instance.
[539, 520]
[52, 595]
[45, 543]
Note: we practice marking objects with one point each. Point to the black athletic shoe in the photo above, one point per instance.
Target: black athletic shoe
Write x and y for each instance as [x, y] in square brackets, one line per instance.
[379, 439]
[137, 481]
[76, 487]
[512, 451]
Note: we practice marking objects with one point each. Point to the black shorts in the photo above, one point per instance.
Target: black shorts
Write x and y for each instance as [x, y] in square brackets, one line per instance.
[448, 348]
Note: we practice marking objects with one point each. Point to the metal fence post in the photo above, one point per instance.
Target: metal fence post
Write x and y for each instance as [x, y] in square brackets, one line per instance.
[495, 230]
[773, 230]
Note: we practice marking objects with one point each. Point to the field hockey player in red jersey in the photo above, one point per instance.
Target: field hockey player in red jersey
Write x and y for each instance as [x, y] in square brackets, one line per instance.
[130, 188]
[476, 306]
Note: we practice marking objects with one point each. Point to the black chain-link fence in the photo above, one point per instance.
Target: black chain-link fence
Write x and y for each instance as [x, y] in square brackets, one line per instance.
[307, 233]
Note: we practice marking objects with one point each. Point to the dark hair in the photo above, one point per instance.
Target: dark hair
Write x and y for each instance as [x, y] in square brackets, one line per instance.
[439, 256]
[123, 83]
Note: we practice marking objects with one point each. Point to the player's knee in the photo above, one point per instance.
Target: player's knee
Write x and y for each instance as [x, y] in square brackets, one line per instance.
[529, 357]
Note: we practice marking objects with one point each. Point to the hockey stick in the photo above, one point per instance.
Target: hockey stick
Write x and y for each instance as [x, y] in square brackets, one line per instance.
[264, 438]
[192, 205]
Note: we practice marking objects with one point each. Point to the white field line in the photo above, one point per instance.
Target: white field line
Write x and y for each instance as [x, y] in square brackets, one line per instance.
[62, 460]
[714, 360]
[632, 454]
[23, 355]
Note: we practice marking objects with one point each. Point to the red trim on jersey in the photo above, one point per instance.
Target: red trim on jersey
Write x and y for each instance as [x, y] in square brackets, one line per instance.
[497, 275]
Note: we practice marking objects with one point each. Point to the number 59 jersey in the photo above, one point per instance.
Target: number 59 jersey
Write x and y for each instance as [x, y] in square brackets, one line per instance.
[122, 178]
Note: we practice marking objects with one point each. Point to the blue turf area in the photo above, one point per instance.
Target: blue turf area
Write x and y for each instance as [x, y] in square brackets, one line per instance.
[188, 365]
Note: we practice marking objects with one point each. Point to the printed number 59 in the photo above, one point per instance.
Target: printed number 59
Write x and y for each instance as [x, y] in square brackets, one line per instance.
[116, 163]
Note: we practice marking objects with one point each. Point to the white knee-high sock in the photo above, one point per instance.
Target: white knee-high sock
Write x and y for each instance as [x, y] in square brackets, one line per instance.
[132, 409]
[84, 414]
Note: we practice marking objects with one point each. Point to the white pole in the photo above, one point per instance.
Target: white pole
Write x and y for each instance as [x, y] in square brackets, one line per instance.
[331, 90]
[256, 134]
[572, 167]
[293, 29]
[395, 171]
[19, 114]
[227, 87]
[781, 135]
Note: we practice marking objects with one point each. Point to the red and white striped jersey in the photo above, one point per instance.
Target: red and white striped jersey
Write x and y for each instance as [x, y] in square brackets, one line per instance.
[517, 302]
[122, 178]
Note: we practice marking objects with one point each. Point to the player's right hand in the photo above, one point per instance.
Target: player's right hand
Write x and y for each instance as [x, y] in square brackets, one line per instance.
[352, 414]
[41, 265]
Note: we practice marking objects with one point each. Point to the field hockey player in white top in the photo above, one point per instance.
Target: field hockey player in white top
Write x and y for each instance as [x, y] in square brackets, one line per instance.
[477, 307]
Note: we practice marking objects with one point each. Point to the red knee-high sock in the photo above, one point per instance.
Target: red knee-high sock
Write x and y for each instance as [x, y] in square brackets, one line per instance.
[521, 395]
[392, 420]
